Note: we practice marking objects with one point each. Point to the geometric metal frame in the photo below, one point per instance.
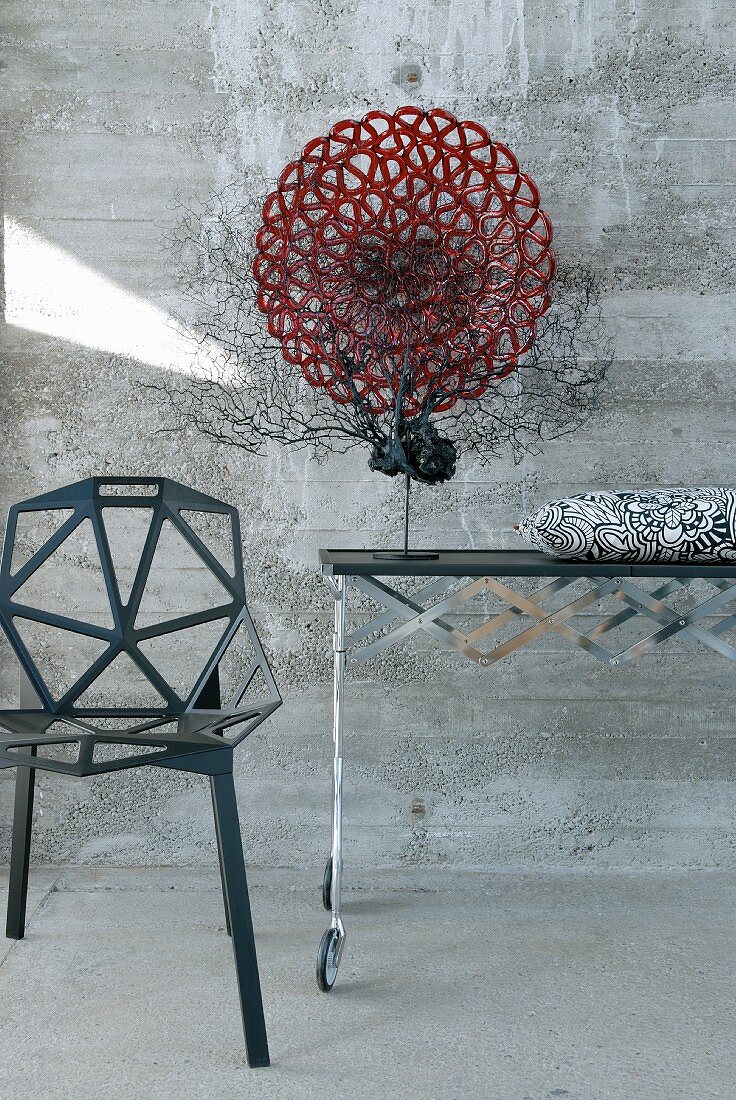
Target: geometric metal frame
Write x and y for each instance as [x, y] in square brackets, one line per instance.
[200, 744]
[199, 725]
[425, 611]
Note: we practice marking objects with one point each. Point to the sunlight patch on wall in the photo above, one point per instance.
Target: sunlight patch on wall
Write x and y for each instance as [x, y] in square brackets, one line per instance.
[51, 292]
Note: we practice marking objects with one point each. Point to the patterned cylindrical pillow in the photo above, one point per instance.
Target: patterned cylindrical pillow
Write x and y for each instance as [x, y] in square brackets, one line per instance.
[642, 525]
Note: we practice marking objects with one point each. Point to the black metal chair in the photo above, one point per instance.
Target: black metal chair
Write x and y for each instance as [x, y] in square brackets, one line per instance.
[125, 538]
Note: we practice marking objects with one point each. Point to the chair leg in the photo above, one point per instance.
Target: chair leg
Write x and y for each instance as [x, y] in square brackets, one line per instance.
[20, 852]
[238, 905]
[219, 855]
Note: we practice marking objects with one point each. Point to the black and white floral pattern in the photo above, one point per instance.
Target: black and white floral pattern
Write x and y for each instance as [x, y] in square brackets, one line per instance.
[646, 525]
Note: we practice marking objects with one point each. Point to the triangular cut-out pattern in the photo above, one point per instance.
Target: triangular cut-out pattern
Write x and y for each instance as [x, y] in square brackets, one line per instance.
[32, 530]
[71, 585]
[235, 664]
[60, 656]
[104, 751]
[215, 529]
[71, 582]
[62, 750]
[120, 724]
[127, 530]
[67, 751]
[257, 691]
[121, 684]
[179, 583]
[180, 657]
[236, 730]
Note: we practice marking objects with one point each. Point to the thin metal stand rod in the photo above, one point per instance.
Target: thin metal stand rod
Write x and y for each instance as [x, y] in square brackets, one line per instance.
[406, 553]
[337, 734]
[241, 924]
[406, 515]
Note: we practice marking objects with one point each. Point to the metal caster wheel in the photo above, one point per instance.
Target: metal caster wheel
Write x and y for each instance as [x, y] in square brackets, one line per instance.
[328, 960]
[327, 886]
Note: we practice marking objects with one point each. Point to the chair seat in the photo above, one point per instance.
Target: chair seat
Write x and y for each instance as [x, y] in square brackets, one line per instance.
[75, 745]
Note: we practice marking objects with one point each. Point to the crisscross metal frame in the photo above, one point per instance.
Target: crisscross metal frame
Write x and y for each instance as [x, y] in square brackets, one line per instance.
[427, 611]
[419, 615]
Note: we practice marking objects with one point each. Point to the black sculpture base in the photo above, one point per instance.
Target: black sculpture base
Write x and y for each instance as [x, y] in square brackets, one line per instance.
[402, 555]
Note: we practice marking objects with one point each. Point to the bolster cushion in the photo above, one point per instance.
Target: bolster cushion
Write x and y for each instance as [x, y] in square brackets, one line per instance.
[643, 525]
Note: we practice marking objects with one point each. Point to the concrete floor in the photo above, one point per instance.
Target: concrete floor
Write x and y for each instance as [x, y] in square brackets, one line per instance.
[503, 986]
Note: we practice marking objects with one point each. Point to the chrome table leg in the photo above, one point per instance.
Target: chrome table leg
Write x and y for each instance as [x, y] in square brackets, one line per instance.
[333, 941]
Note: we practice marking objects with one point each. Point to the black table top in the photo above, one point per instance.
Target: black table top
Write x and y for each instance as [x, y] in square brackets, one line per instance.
[506, 563]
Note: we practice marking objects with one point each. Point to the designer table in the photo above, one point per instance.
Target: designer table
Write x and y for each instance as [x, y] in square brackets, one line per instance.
[448, 581]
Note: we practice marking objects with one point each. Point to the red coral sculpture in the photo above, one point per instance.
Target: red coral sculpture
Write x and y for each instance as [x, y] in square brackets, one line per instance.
[403, 262]
[404, 267]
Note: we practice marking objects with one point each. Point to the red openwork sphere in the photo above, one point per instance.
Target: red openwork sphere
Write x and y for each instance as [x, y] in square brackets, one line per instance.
[405, 257]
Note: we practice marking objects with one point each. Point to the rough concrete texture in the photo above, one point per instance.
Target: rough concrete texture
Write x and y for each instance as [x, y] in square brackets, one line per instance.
[623, 113]
[547, 986]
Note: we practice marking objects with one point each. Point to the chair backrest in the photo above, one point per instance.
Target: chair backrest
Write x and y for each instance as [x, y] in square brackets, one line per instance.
[137, 583]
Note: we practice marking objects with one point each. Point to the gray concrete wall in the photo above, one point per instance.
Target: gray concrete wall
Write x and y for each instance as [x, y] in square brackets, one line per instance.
[622, 110]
